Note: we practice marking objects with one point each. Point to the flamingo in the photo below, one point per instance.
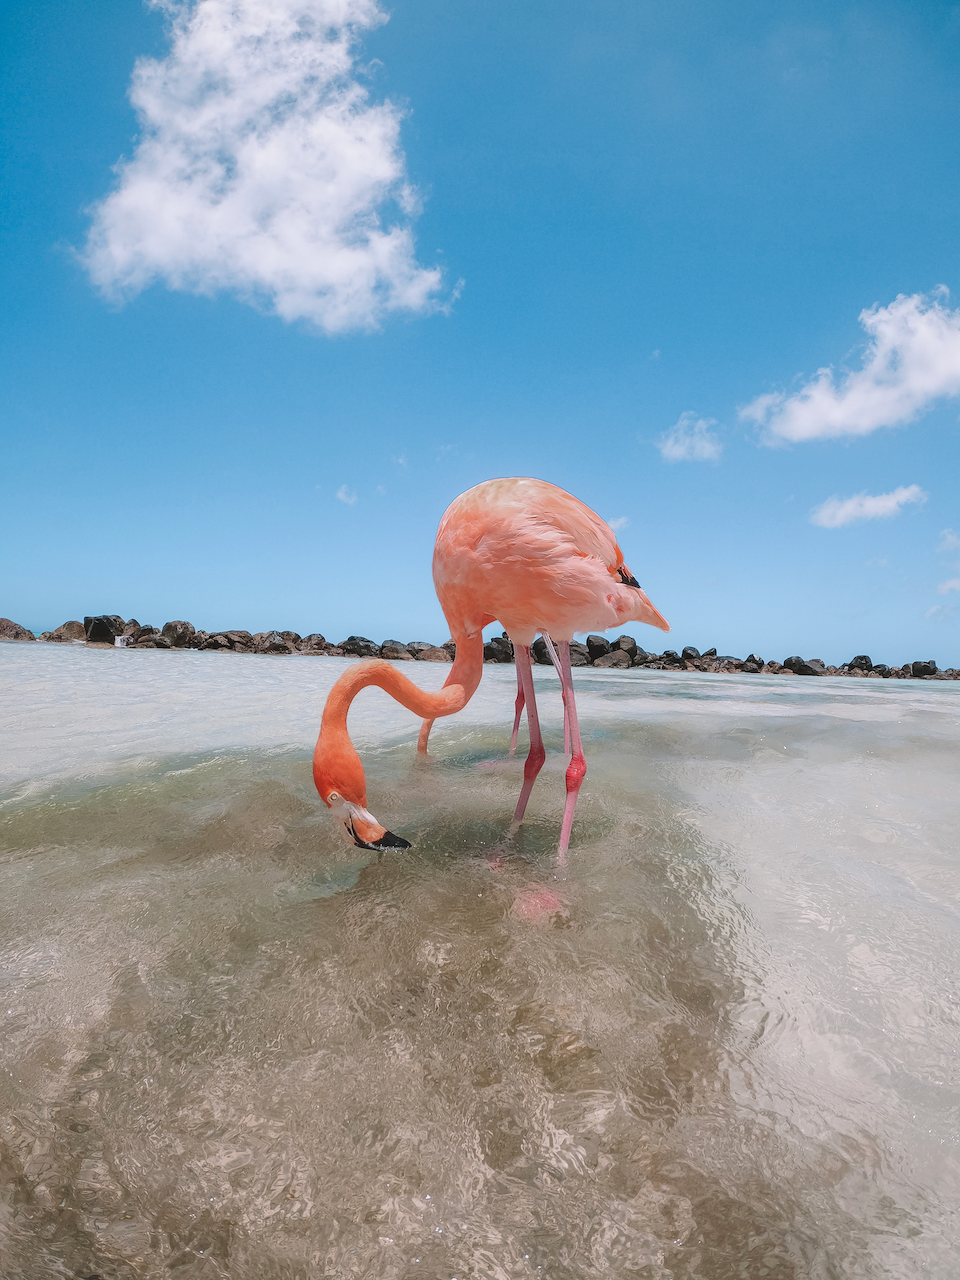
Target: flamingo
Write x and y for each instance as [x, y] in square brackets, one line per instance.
[531, 556]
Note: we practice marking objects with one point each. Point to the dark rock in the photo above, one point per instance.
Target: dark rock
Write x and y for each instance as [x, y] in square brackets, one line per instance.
[752, 657]
[292, 638]
[396, 651]
[597, 647]
[272, 642]
[627, 644]
[198, 640]
[579, 654]
[131, 627]
[499, 649]
[179, 633]
[540, 653]
[334, 651]
[615, 658]
[771, 669]
[10, 630]
[417, 646]
[709, 653]
[689, 653]
[154, 641]
[800, 667]
[860, 663]
[217, 641]
[883, 670]
[360, 647]
[104, 628]
[670, 656]
[240, 641]
[313, 643]
[751, 668]
[928, 668]
[433, 653]
[641, 657]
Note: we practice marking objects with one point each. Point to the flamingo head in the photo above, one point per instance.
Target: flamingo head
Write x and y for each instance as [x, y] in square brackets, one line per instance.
[361, 826]
[340, 781]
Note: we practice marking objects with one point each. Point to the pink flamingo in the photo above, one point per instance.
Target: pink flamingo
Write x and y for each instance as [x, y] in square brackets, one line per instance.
[521, 552]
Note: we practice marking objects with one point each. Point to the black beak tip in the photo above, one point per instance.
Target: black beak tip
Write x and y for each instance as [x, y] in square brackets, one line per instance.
[387, 841]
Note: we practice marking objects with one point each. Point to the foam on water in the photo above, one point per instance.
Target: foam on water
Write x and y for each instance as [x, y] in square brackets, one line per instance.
[234, 1046]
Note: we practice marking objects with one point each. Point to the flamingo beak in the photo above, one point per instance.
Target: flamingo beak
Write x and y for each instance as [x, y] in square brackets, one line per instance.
[362, 827]
[370, 835]
[647, 613]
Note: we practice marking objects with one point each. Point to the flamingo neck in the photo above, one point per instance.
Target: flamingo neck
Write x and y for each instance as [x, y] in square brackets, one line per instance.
[336, 765]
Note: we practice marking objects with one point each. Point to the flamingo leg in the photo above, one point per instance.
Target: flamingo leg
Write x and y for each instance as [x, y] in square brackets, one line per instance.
[577, 767]
[537, 754]
[519, 707]
[555, 659]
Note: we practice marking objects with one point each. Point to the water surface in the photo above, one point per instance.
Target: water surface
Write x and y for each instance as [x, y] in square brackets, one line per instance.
[236, 1046]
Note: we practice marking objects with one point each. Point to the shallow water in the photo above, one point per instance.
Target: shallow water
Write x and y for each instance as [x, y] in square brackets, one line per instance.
[235, 1046]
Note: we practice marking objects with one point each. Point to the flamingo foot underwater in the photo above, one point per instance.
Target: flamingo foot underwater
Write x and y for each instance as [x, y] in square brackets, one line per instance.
[531, 556]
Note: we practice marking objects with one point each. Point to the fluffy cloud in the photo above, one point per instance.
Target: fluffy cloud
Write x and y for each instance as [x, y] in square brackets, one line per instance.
[952, 584]
[949, 541]
[690, 440]
[836, 512]
[912, 359]
[263, 168]
[346, 495]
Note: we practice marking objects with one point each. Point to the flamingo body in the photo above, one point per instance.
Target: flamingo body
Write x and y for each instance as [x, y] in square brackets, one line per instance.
[531, 556]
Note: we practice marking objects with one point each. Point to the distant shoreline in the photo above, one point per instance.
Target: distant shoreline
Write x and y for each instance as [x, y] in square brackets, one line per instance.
[109, 631]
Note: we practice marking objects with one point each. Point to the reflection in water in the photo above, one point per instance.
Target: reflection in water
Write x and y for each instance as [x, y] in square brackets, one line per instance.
[235, 1048]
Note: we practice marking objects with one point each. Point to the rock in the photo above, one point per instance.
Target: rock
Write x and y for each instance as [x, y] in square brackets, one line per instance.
[417, 646]
[751, 667]
[709, 653]
[67, 633]
[928, 668]
[360, 647]
[179, 633]
[396, 651]
[615, 658]
[240, 641]
[752, 657]
[103, 628]
[540, 653]
[771, 669]
[597, 647]
[498, 649]
[882, 670]
[689, 653]
[451, 648]
[641, 657]
[272, 642]
[860, 663]
[292, 638]
[579, 654]
[433, 653]
[627, 644]
[313, 643]
[132, 627]
[153, 641]
[334, 651]
[217, 641]
[799, 667]
[199, 639]
[13, 631]
[670, 657]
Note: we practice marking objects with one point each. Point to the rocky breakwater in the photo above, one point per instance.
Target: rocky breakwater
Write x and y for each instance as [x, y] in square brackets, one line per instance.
[112, 631]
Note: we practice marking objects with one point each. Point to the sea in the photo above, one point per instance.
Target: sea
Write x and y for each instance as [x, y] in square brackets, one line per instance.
[720, 1040]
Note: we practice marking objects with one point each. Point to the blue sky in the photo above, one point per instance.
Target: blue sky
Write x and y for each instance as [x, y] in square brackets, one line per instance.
[569, 241]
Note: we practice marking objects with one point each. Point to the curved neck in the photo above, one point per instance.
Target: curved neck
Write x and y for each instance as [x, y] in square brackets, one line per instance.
[336, 765]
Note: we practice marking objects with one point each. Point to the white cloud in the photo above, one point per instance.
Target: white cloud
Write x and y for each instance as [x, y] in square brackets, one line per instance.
[690, 440]
[913, 359]
[949, 541]
[346, 495]
[836, 512]
[952, 584]
[264, 169]
[621, 522]
[940, 612]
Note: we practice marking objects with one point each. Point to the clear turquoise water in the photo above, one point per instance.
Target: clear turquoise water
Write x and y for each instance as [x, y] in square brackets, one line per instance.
[234, 1046]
